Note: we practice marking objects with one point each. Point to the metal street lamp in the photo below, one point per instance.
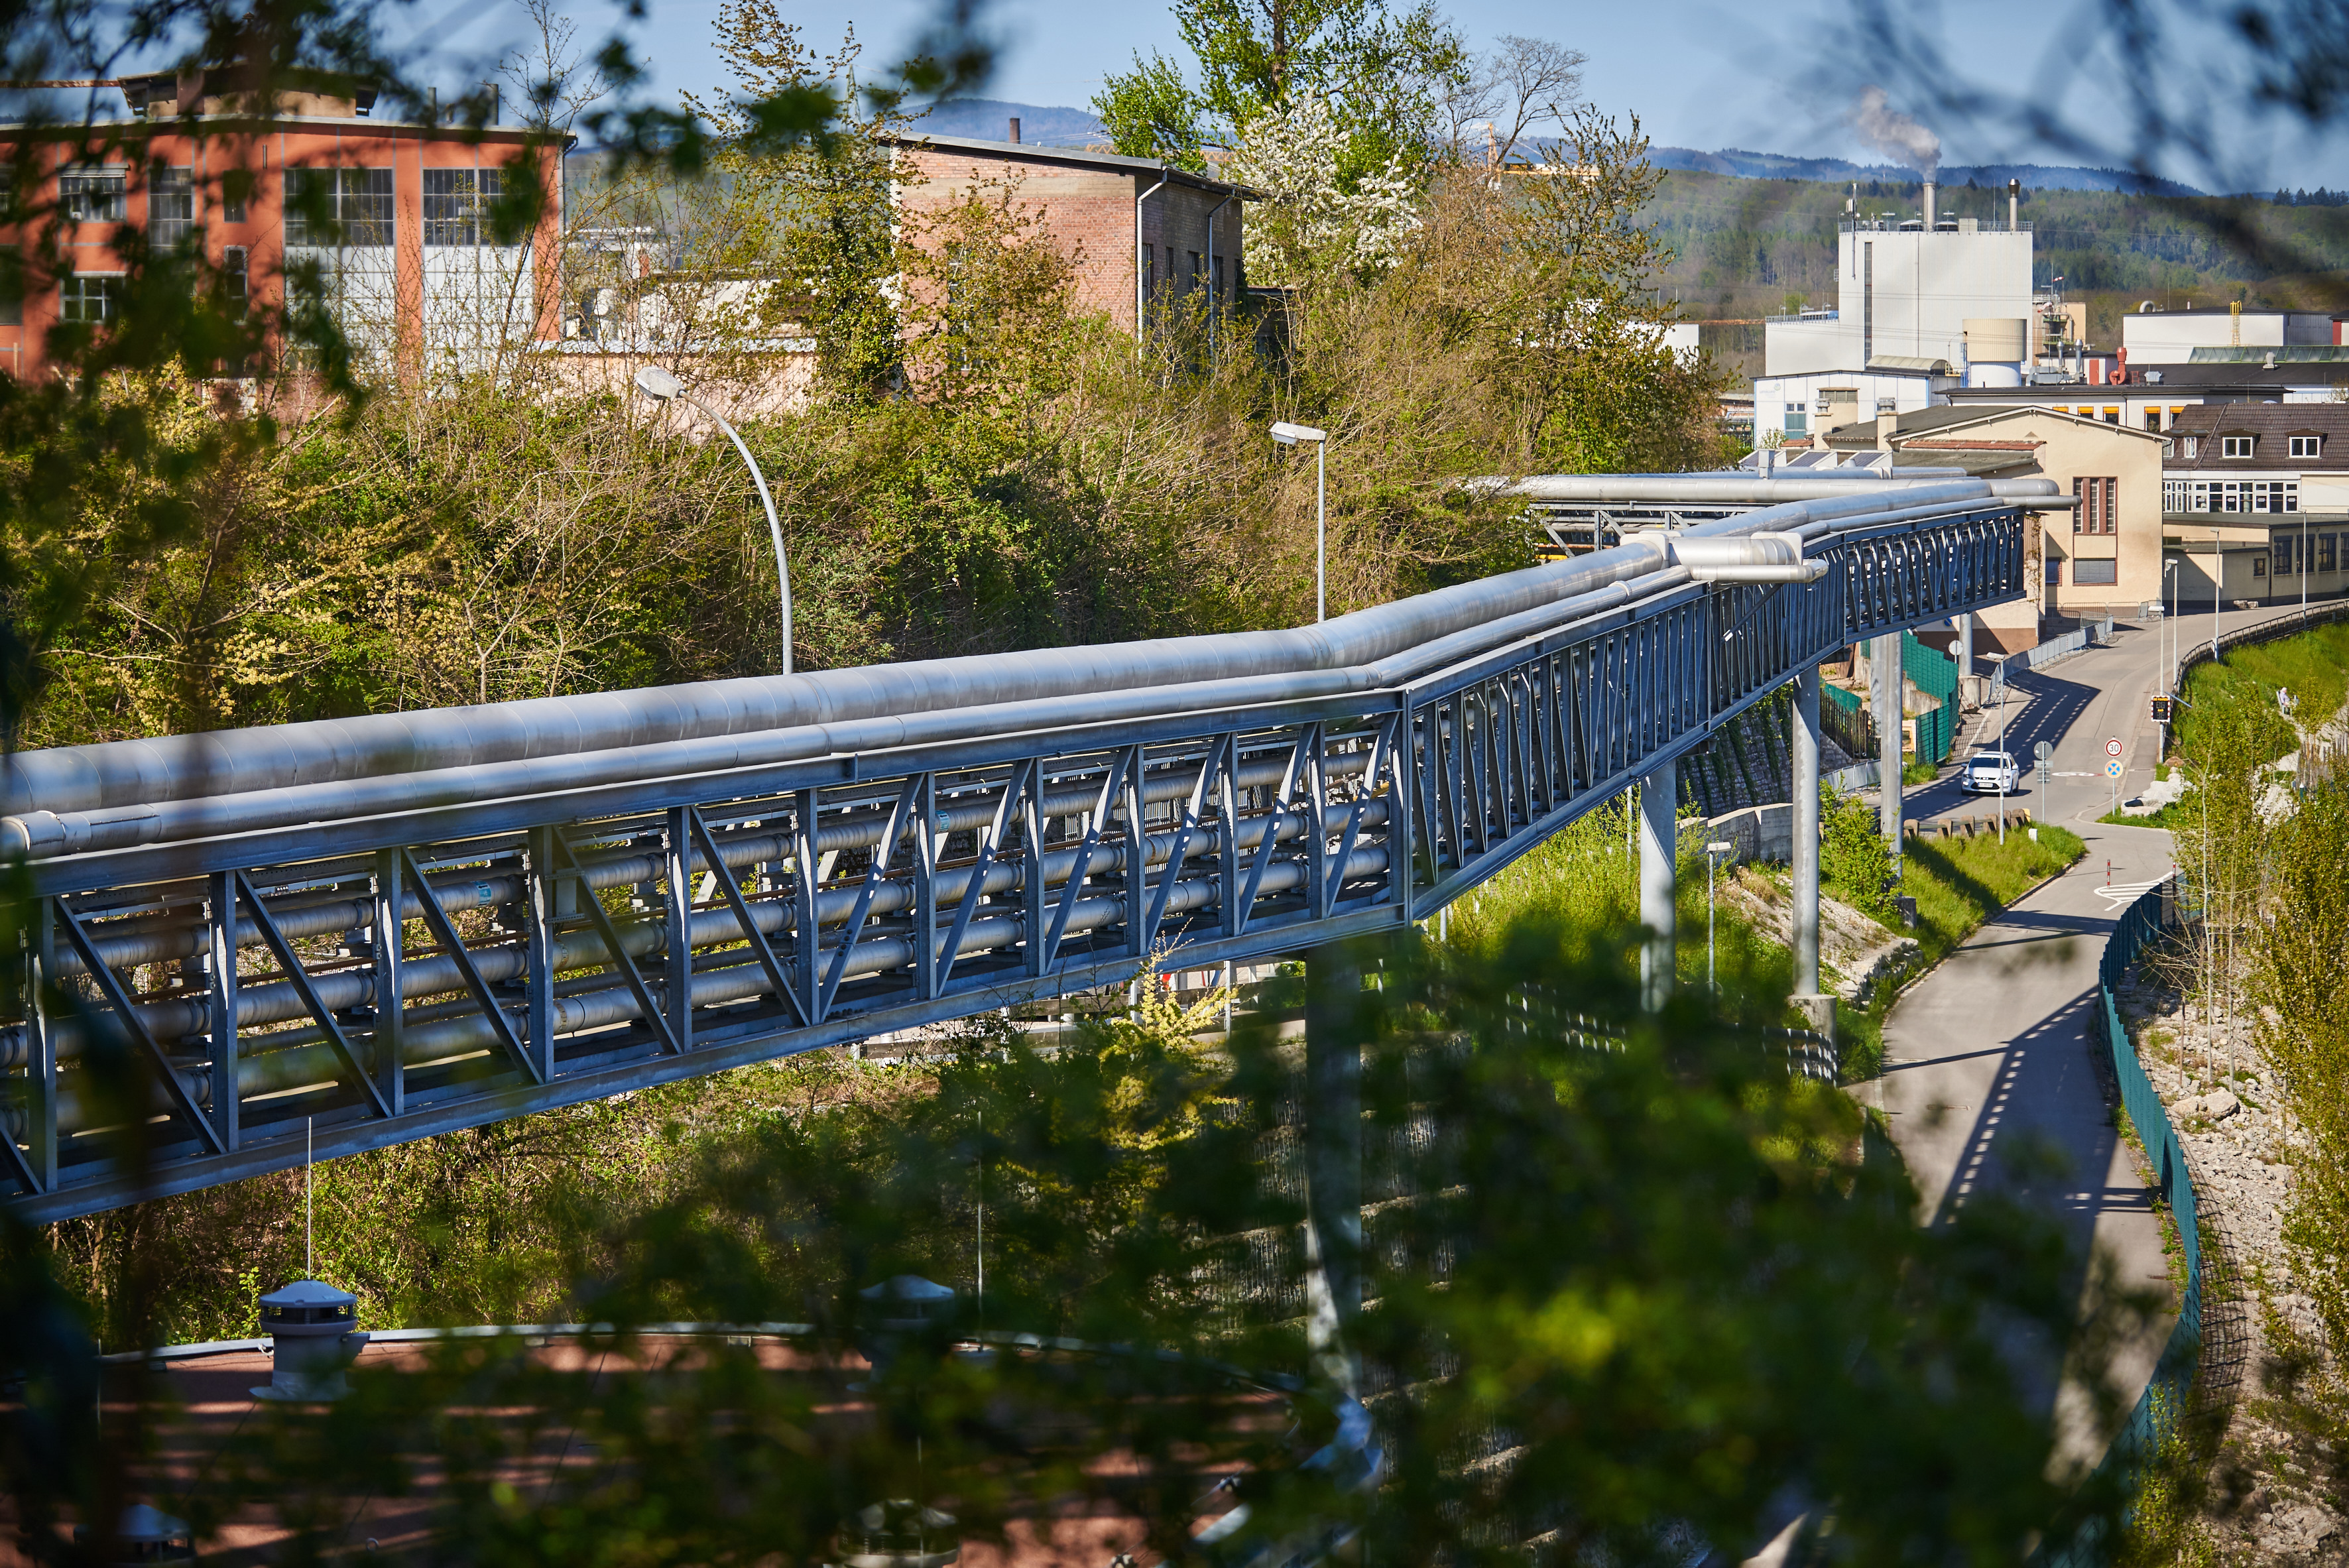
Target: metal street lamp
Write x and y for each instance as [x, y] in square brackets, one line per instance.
[1288, 434]
[1998, 679]
[661, 386]
[1718, 847]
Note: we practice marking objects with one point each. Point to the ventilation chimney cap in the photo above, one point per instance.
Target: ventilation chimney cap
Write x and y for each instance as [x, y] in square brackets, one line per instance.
[145, 1534]
[308, 1306]
[1014, 129]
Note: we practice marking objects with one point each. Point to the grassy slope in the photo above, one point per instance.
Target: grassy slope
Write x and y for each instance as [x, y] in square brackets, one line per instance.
[1589, 873]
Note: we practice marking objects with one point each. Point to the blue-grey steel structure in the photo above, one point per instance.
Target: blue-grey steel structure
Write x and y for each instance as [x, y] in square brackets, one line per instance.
[403, 925]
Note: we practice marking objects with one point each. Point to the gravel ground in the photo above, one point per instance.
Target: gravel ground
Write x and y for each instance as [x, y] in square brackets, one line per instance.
[2269, 1500]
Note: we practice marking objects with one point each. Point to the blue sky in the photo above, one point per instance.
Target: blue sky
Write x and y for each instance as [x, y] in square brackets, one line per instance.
[1776, 77]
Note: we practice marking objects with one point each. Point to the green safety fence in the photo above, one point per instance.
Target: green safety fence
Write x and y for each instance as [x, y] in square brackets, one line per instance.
[2139, 1445]
[1935, 674]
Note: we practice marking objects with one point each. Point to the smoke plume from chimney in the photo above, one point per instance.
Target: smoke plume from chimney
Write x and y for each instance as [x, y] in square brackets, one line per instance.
[1895, 134]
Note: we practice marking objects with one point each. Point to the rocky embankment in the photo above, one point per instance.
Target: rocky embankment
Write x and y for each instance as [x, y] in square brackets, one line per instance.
[2272, 1499]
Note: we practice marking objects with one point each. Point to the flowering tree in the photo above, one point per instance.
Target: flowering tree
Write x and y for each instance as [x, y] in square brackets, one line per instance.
[1314, 222]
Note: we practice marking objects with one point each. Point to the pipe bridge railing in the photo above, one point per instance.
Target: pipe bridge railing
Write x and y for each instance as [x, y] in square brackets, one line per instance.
[387, 968]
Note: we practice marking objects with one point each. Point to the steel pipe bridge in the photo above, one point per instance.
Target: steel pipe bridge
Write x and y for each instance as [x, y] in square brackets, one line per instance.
[394, 927]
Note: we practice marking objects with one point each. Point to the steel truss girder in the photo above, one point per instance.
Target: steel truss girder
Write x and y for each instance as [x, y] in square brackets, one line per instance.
[1185, 841]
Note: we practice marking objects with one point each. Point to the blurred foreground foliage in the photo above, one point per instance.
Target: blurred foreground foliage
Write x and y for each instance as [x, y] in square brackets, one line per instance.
[1622, 1299]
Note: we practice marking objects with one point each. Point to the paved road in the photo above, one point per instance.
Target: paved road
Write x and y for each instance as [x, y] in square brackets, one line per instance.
[1991, 1077]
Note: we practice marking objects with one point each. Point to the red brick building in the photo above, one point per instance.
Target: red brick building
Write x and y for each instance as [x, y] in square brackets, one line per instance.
[1190, 225]
[415, 273]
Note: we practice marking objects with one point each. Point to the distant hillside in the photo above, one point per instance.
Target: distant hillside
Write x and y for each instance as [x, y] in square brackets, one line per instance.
[1748, 248]
[2035, 176]
[989, 119]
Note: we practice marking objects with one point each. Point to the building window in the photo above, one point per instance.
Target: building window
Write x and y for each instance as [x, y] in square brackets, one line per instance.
[91, 296]
[2307, 446]
[2168, 446]
[2094, 573]
[91, 195]
[1798, 419]
[2054, 576]
[12, 286]
[171, 205]
[2327, 559]
[456, 204]
[2153, 422]
[236, 280]
[2098, 511]
[2112, 415]
[355, 205]
[2259, 566]
[2193, 448]
[2284, 564]
[2237, 446]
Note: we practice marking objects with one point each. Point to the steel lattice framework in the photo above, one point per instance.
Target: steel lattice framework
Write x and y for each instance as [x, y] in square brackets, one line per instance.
[393, 975]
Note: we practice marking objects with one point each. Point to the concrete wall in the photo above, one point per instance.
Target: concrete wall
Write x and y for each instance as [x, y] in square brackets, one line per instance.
[1760, 833]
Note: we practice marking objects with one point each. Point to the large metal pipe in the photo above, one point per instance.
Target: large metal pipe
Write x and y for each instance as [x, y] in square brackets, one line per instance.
[72, 799]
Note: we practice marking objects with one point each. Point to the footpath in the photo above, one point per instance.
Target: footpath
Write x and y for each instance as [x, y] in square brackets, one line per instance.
[1993, 1082]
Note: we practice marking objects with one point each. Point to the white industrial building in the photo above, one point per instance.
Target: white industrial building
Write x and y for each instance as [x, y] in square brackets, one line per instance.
[1959, 291]
[2153, 337]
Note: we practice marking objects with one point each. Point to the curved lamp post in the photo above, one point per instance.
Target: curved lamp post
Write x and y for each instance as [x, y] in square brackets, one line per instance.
[661, 386]
[1288, 434]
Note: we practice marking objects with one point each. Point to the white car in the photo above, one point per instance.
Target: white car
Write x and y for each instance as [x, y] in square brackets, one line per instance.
[1991, 773]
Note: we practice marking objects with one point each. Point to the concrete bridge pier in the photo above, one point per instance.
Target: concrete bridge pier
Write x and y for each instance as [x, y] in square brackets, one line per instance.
[1884, 668]
[1333, 1157]
[1659, 863]
[1818, 1006]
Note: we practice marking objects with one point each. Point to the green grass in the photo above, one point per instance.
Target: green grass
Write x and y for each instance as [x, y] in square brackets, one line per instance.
[2313, 665]
[1919, 772]
[1958, 883]
[1589, 873]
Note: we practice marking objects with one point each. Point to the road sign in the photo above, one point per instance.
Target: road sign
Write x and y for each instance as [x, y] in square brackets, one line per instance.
[2043, 751]
[2113, 746]
[2161, 706]
[2113, 770]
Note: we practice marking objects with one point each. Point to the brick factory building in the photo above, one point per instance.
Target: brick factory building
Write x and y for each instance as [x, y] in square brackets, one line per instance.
[414, 275]
[1090, 203]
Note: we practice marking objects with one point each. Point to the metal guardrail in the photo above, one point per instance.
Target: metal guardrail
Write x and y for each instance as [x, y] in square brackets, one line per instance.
[402, 926]
[2285, 626]
[2137, 1447]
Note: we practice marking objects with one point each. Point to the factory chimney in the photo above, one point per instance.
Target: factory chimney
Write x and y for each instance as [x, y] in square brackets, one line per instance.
[2013, 205]
[1929, 203]
[1015, 131]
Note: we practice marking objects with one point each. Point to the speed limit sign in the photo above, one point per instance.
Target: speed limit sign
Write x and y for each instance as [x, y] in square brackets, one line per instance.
[2113, 746]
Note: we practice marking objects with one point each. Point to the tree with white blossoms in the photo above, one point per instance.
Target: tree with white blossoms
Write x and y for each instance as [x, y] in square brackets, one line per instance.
[1312, 223]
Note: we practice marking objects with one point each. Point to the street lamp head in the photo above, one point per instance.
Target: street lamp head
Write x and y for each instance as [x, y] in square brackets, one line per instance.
[1288, 434]
[659, 385]
[1720, 847]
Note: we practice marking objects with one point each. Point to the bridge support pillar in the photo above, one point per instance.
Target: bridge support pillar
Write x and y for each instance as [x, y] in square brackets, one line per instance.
[1333, 1156]
[1658, 890]
[1965, 657]
[1805, 853]
[1884, 668]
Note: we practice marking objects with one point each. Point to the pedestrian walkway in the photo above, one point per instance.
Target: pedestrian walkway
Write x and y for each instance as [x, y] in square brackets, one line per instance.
[1991, 1081]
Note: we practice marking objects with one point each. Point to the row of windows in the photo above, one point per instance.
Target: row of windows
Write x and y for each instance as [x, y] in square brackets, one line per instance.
[2099, 508]
[2320, 551]
[2230, 495]
[318, 202]
[2084, 573]
[97, 296]
[2244, 447]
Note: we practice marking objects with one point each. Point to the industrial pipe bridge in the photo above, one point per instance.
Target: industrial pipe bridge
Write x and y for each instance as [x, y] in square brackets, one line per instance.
[394, 927]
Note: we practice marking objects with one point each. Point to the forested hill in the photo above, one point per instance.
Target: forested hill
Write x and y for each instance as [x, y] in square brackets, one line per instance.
[1750, 248]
